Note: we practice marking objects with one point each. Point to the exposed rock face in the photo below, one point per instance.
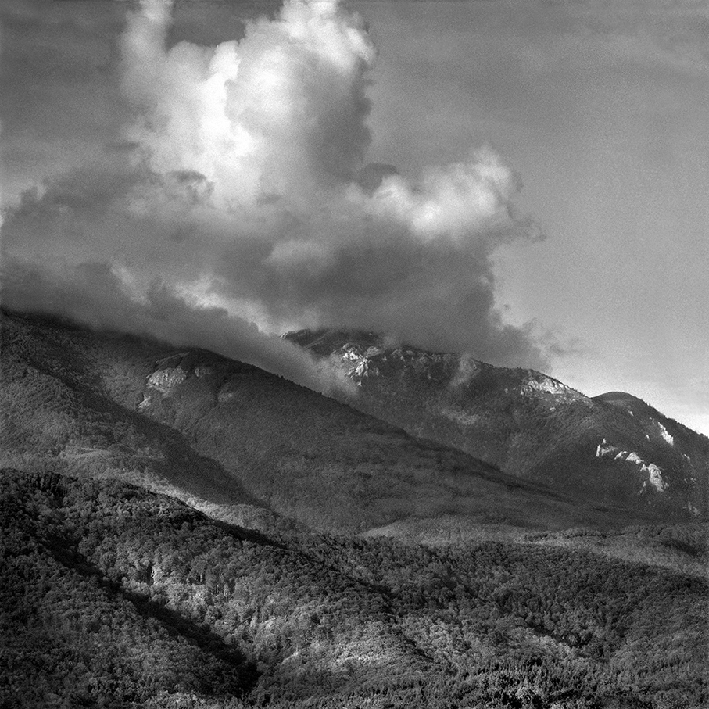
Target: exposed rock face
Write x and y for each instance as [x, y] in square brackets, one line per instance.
[654, 471]
[175, 371]
[165, 380]
[537, 385]
[614, 448]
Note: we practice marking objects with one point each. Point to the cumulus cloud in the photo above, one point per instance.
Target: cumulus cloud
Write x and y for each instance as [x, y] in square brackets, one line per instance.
[245, 206]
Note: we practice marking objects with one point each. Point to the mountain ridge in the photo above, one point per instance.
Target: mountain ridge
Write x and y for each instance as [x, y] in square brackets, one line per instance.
[531, 425]
[183, 530]
[263, 450]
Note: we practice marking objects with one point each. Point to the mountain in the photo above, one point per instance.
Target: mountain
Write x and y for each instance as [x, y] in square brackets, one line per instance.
[179, 530]
[248, 445]
[610, 449]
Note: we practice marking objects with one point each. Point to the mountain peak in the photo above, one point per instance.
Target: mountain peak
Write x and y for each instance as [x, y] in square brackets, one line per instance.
[369, 354]
[619, 398]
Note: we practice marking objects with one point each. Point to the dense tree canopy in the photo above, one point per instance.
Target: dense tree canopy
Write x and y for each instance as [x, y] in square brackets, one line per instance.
[113, 596]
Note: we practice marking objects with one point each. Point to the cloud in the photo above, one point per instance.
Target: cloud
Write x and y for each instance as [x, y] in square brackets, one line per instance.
[244, 193]
[59, 103]
[97, 296]
[669, 34]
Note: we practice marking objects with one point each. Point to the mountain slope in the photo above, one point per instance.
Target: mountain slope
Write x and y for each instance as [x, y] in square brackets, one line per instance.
[73, 635]
[113, 596]
[612, 449]
[313, 592]
[260, 450]
[67, 401]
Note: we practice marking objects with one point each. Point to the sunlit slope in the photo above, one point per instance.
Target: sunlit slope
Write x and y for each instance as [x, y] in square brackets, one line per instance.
[612, 449]
[232, 435]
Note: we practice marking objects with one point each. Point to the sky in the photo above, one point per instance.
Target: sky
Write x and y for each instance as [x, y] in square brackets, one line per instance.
[523, 180]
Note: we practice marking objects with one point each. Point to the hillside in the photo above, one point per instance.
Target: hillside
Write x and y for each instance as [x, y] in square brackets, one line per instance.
[246, 445]
[324, 559]
[116, 597]
[611, 449]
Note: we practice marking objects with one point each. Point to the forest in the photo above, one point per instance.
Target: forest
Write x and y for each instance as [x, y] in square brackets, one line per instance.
[113, 596]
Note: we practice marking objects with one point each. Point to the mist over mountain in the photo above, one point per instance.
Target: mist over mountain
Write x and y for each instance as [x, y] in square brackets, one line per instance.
[270, 452]
[197, 513]
[184, 530]
[610, 448]
[240, 201]
[231, 434]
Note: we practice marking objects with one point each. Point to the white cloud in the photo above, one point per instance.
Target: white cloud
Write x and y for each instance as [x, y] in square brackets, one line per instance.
[242, 190]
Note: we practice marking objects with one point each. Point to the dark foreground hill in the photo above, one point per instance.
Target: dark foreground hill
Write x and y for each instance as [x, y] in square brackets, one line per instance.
[247, 445]
[112, 596]
[609, 449]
